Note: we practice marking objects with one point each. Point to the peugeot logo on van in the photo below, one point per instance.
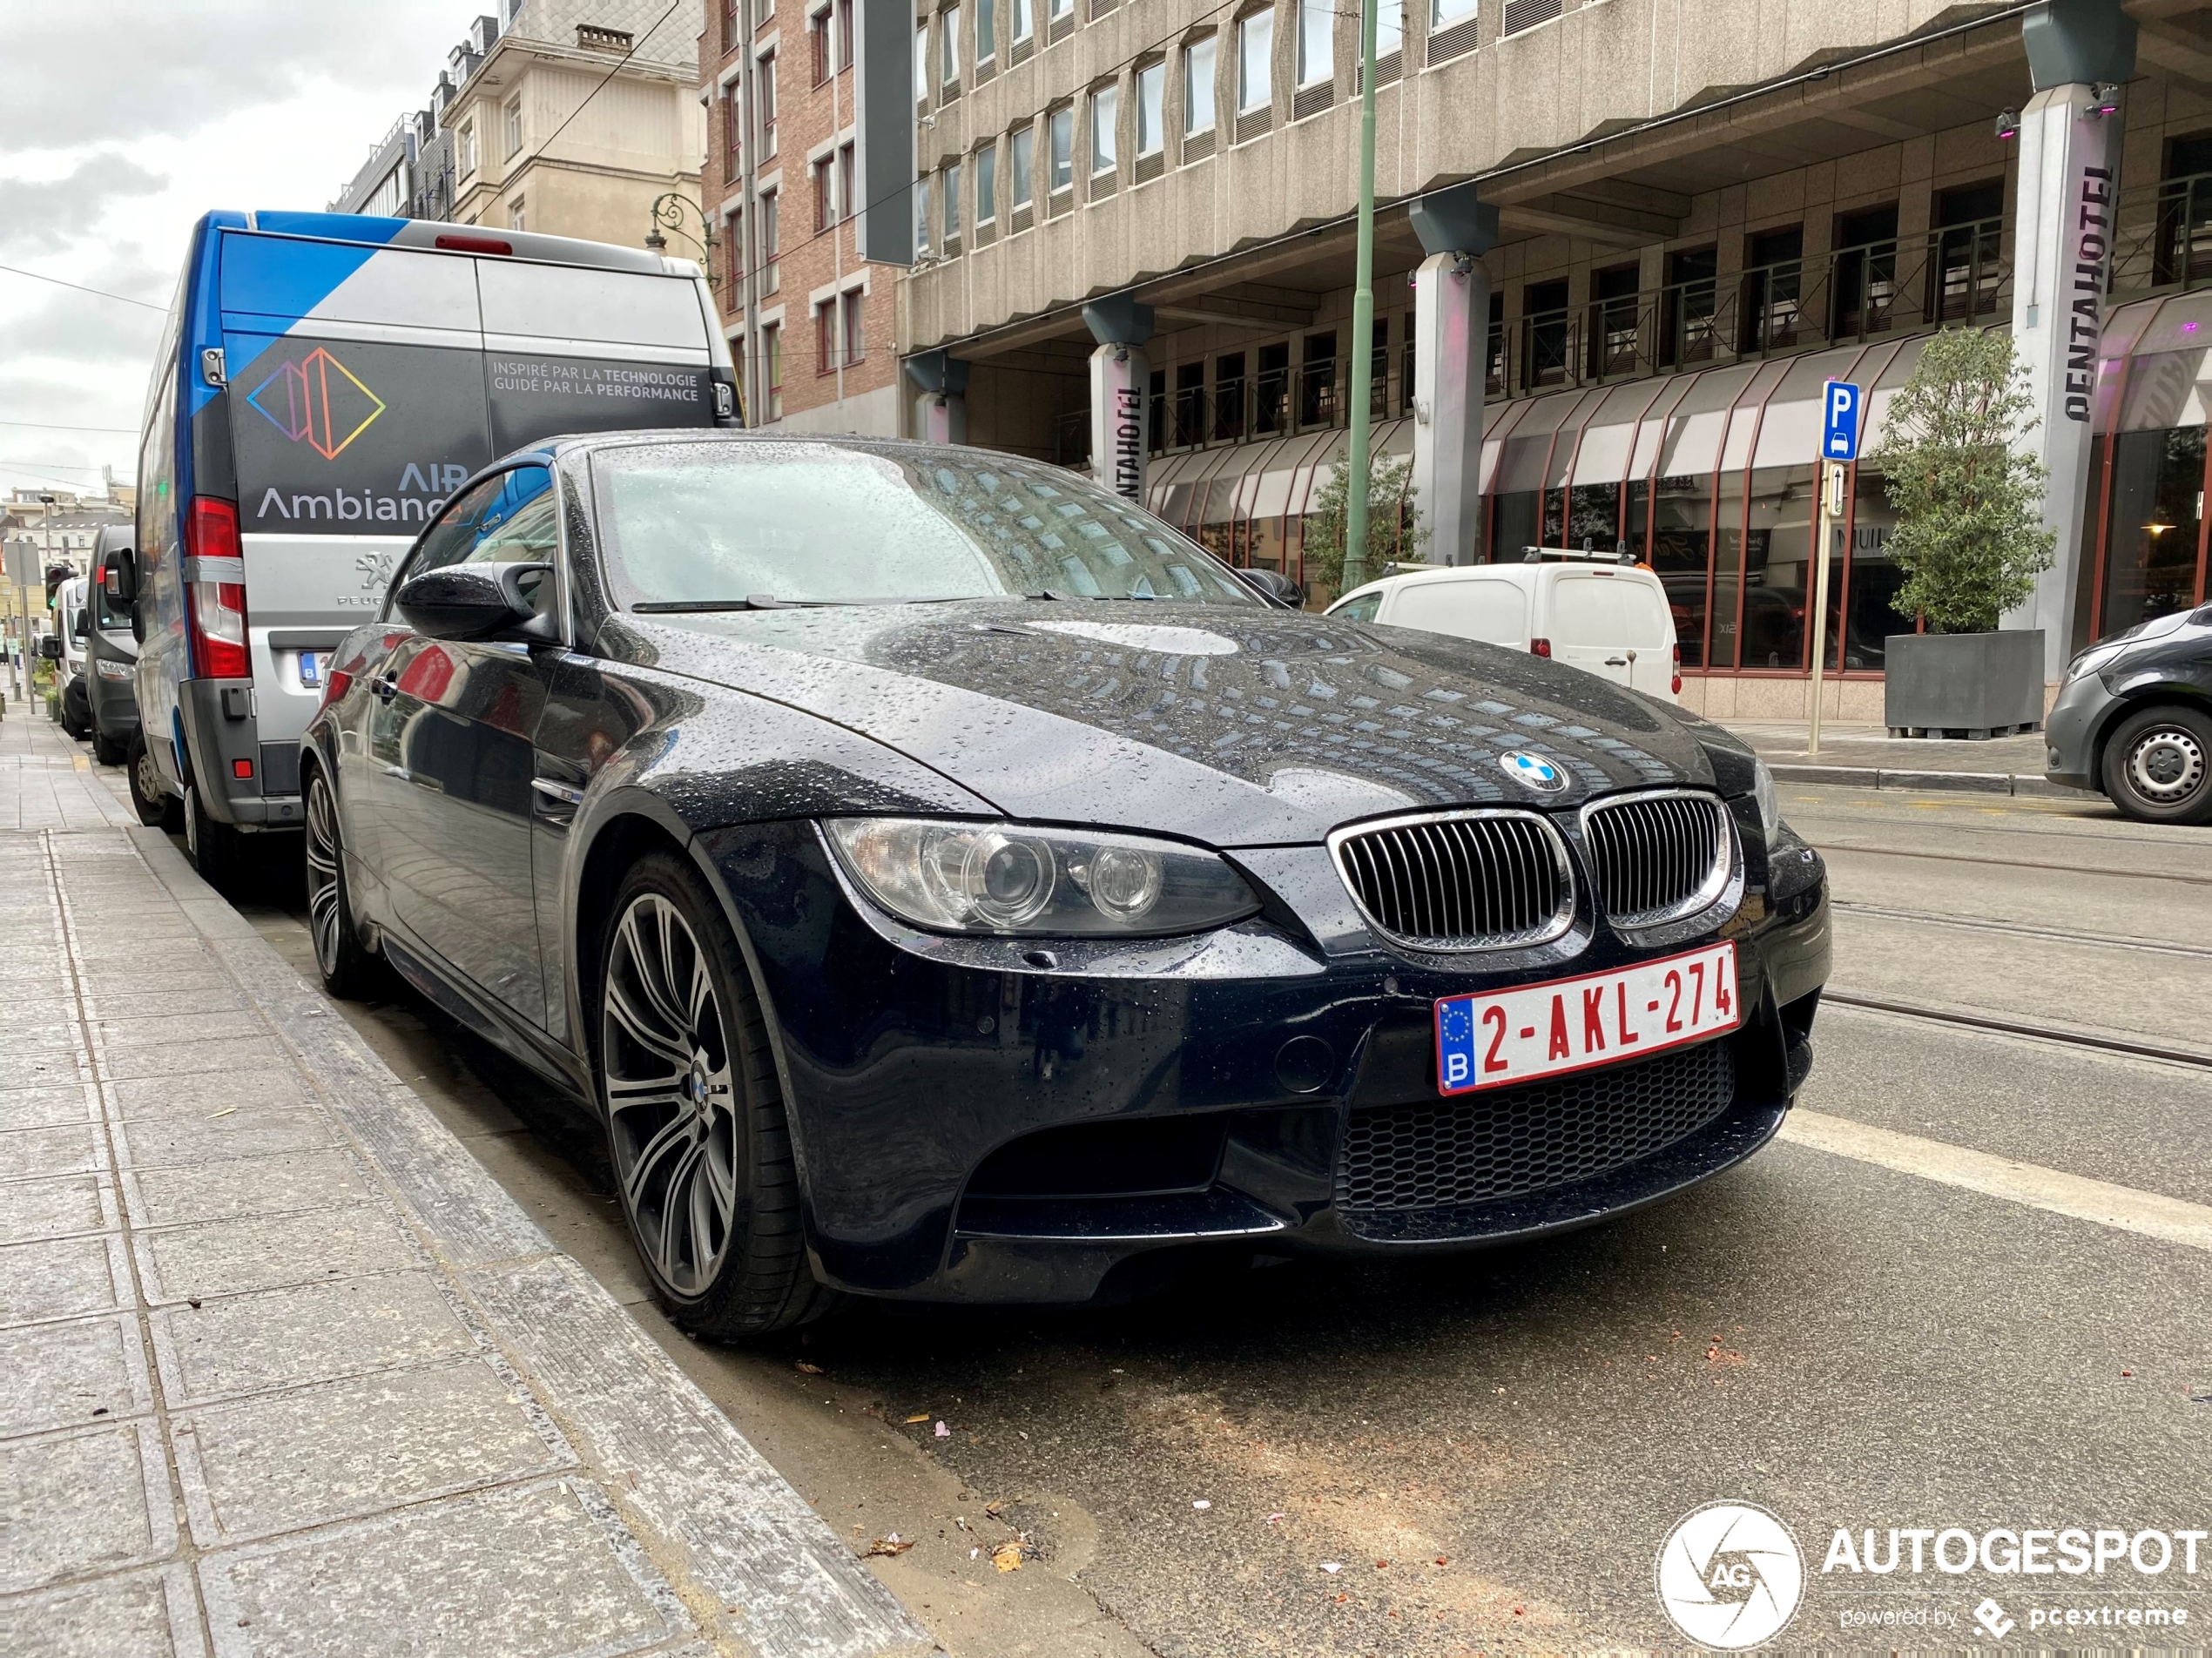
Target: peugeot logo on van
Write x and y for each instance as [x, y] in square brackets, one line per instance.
[1534, 770]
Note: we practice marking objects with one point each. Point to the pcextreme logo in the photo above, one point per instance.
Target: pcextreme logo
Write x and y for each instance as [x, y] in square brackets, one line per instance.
[1730, 1576]
[317, 401]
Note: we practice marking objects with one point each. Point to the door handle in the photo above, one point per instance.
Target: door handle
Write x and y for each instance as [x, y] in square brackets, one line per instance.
[559, 793]
[1618, 661]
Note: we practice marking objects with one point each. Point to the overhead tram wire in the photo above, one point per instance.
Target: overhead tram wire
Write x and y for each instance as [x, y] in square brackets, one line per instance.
[39, 276]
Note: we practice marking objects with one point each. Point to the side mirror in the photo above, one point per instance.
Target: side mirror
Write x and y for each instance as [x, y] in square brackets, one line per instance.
[1275, 586]
[472, 601]
[81, 624]
[50, 647]
[120, 578]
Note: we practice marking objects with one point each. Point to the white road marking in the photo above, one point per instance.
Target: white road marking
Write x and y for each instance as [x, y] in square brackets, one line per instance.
[2120, 1207]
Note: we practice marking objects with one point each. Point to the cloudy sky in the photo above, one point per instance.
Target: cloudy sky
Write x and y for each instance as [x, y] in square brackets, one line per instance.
[124, 121]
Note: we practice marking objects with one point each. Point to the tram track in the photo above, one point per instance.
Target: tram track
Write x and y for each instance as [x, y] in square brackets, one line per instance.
[1827, 848]
[2020, 929]
[2066, 1035]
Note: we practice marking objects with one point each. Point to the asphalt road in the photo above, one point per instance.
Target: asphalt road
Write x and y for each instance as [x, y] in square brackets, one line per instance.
[1491, 1450]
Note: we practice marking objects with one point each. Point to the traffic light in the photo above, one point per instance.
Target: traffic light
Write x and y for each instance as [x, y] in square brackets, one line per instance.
[56, 574]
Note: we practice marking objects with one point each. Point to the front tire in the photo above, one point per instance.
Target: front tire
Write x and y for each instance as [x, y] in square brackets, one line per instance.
[106, 749]
[349, 971]
[695, 1116]
[2158, 765]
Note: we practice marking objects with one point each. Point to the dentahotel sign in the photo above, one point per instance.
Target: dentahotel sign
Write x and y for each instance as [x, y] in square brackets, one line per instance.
[2092, 248]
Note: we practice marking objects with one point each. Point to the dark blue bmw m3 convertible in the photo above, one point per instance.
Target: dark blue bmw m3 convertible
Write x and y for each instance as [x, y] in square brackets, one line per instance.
[948, 881]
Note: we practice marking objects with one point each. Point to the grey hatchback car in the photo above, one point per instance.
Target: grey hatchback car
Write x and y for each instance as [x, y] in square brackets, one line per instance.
[2133, 720]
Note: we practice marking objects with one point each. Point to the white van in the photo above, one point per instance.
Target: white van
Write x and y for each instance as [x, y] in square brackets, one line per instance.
[1609, 618]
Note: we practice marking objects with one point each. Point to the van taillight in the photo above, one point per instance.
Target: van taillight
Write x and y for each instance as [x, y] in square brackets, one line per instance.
[1676, 649]
[474, 244]
[1540, 647]
[215, 609]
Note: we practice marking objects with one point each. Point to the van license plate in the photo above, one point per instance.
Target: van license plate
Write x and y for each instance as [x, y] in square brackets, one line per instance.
[310, 668]
[1535, 1031]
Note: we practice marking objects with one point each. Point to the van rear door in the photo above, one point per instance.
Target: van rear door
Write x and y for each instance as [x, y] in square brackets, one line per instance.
[1493, 609]
[1613, 623]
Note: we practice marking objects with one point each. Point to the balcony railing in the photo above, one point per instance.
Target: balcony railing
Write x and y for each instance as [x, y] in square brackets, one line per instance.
[1958, 273]
[2164, 236]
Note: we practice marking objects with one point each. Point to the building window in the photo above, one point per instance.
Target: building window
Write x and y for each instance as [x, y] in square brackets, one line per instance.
[948, 46]
[1024, 19]
[1442, 14]
[514, 215]
[513, 126]
[824, 182]
[1060, 127]
[848, 190]
[987, 183]
[1773, 281]
[770, 241]
[771, 358]
[1317, 40]
[846, 46]
[1390, 29]
[1197, 85]
[467, 148]
[825, 337]
[818, 46]
[950, 196]
[1255, 62]
[1104, 104]
[921, 215]
[922, 63]
[1021, 164]
[730, 25]
[1970, 252]
[853, 310]
[732, 133]
[1151, 85]
[1687, 306]
[768, 100]
[1060, 9]
[987, 45]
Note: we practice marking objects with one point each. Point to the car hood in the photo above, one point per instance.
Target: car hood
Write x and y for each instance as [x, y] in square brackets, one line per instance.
[1226, 725]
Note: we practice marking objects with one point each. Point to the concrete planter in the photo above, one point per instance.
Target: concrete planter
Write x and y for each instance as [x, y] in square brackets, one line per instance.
[1963, 685]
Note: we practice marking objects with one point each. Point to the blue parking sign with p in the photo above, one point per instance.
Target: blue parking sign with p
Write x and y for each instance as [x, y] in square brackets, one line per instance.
[1839, 432]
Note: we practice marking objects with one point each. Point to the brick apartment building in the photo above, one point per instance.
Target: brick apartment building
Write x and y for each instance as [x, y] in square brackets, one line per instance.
[811, 325]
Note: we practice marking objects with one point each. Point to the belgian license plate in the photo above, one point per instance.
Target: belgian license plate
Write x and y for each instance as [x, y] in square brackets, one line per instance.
[310, 668]
[1535, 1031]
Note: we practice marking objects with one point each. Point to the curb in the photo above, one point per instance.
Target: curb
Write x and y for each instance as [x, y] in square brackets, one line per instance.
[750, 1562]
[1870, 777]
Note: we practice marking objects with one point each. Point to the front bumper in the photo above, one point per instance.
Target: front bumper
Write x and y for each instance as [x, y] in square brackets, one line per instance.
[978, 1120]
[2070, 732]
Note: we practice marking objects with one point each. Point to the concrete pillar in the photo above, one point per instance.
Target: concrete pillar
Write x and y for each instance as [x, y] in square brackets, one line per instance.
[941, 408]
[2078, 53]
[1121, 377]
[1451, 342]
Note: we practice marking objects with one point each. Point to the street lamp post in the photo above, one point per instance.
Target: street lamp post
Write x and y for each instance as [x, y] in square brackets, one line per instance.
[667, 211]
[1363, 315]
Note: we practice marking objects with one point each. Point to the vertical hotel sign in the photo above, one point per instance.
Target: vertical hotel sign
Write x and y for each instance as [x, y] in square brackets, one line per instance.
[1120, 385]
[2092, 252]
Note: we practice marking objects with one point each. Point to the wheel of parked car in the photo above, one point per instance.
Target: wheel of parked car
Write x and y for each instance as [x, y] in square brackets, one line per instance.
[76, 709]
[2158, 765]
[156, 806]
[108, 750]
[695, 1118]
[213, 847]
[349, 971]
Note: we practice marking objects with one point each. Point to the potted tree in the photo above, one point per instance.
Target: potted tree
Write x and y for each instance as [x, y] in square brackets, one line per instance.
[1394, 532]
[1970, 540]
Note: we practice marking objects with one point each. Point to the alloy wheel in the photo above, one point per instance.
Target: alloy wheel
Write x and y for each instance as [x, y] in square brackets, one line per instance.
[146, 775]
[666, 1055]
[2167, 765]
[324, 895]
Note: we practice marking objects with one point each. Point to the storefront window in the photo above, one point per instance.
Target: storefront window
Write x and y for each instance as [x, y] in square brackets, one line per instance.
[1594, 516]
[2157, 504]
[1681, 543]
[1516, 525]
[1872, 580]
[1728, 570]
[1778, 580]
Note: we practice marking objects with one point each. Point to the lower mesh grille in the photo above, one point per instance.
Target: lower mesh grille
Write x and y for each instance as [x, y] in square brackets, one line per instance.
[1478, 1148]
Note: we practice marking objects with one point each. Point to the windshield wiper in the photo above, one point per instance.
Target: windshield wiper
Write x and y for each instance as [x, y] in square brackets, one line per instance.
[1075, 598]
[750, 601]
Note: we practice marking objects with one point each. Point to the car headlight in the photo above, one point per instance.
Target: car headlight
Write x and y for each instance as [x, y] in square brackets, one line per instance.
[2090, 661]
[1769, 802]
[1013, 881]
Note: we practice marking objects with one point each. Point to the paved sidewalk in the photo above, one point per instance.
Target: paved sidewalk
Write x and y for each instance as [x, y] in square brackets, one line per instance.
[1868, 757]
[287, 1372]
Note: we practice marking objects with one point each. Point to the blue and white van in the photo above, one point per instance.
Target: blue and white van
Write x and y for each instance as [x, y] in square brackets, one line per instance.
[325, 381]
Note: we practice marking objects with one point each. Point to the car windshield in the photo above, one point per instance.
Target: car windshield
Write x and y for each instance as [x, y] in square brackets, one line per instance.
[702, 526]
